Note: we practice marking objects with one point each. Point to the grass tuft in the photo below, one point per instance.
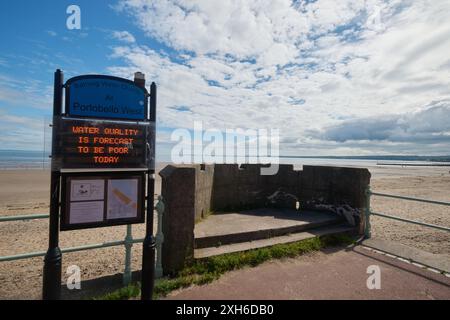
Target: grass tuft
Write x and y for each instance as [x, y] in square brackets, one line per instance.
[125, 293]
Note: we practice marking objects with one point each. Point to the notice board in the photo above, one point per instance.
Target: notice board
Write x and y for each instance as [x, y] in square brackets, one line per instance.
[100, 199]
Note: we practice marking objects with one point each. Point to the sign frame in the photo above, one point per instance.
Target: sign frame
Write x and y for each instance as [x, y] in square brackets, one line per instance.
[70, 81]
[52, 273]
[67, 177]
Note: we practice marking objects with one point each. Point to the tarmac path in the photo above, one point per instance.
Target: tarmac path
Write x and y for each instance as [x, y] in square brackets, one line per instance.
[331, 274]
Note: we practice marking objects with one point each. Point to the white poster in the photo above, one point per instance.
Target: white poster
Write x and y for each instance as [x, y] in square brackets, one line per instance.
[85, 212]
[87, 190]
[122, 198]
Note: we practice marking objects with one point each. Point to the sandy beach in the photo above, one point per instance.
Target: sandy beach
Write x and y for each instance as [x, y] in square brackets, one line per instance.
[27, 191]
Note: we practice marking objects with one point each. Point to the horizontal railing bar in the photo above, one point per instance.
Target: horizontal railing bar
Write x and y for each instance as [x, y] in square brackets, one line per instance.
[24, 217]
[409, 198]
[94, 246]
[67, 250]
[410, 221]
[22, 256]
[27, 217]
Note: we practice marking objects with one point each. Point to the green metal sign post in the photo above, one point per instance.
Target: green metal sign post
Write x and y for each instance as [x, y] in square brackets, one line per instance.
[52, 262]
[149, 245]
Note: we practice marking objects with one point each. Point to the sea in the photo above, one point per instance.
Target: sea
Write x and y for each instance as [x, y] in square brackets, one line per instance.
[22, 159]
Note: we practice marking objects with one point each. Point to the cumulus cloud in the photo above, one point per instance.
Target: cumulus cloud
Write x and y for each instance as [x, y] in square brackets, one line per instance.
[299, 66]
[426, 126]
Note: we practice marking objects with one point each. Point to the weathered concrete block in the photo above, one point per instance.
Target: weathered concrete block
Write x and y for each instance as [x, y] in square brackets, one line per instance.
[178, 191]
[225, 191]
[286, 178]
[335, 186]
[204, 176]
[250, 186]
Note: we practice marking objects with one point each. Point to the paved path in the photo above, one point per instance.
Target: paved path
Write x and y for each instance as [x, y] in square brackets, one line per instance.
[326, 275]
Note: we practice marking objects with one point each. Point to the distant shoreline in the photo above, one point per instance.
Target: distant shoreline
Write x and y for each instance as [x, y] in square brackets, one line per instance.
[415, 164]
[379, 158]
[29, 160]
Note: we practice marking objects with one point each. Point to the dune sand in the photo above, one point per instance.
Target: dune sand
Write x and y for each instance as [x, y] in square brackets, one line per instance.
[27, 191]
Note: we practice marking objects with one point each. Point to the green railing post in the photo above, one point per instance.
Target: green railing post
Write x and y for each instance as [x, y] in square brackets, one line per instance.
[128, 243]
[159, 238]
[367, 227]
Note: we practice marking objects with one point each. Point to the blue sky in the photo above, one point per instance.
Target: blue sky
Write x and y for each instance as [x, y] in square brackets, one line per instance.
[35, 42]
[336, 78]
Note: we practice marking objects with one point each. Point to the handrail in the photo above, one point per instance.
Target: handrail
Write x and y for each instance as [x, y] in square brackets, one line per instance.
[369, 212]
[127, 242]
[24, 217]
[66, 250]
[410, 221]
[444, 203]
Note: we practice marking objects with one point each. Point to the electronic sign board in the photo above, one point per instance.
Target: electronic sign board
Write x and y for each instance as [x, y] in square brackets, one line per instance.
[99, 96]
[100, 144]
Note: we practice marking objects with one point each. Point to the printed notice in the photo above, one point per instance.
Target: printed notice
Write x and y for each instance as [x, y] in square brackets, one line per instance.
[86, 212]
[122, 198]
[87, 190]
[102, 199]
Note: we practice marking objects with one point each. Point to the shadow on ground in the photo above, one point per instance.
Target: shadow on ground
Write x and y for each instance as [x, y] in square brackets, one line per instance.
[97, 287]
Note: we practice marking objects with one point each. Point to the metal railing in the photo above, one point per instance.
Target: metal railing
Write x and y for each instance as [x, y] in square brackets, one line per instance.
[127, 242]
[369, 212]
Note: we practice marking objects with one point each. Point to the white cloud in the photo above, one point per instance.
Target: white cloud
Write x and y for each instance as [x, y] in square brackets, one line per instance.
[28, 92]
[298, 67]
[124, 36]
[25, 132]
[51, 33]
[426, 126]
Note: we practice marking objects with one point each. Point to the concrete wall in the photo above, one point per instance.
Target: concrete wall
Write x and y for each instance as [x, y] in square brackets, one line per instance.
[237, 187]
[190, 193]
[334, 185]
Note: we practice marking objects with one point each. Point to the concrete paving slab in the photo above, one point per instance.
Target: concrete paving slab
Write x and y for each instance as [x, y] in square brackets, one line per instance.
[257, 219]
[219, 229]
[437, 261]
[262, 243]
